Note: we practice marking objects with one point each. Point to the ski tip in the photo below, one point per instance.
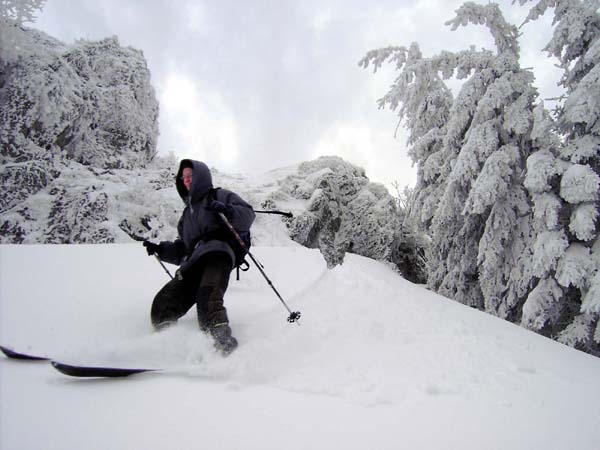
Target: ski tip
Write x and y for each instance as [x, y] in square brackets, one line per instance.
[96, 372]
[9, 353]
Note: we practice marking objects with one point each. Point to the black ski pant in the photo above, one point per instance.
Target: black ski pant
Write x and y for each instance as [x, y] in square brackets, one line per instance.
[203, 285]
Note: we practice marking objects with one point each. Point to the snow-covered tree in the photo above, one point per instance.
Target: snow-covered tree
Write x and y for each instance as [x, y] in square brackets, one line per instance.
[423, 102]
[564, 179]
[20, 11]
[470, 152]
[344, 211]
[14, 42]
[68, 113]
[90, 103]
[409, 244]
[497, 153]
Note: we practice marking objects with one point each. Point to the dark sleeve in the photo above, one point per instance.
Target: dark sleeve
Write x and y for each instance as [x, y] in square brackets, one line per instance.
[242, 215]
[172, 252]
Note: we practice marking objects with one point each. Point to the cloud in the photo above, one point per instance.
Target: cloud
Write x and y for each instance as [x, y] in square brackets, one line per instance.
[322, 18]
[197, 123]
[196, 17]
[254, 85]
[375, 149]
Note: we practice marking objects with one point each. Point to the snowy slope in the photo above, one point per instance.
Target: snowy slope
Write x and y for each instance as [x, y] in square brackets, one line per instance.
[377, 362]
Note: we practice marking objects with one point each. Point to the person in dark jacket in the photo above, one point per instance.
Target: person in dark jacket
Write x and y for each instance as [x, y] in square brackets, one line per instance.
[204, 253]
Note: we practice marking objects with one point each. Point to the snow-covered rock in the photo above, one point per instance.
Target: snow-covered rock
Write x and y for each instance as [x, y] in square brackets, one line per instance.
[90, 102]
[78, 128]
[68, 113]
[344, 211]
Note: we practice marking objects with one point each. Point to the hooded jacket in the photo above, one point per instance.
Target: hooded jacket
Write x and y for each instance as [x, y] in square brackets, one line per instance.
[200, 230]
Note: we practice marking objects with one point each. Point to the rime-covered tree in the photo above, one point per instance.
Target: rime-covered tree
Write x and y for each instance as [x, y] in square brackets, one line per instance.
[409, 244]
[20, 11]
[68, 115]
[471, 155]
[423, 102]
[564, 179]
[344, 211]
[541, 311]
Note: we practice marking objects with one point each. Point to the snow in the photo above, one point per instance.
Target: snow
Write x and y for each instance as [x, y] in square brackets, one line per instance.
[580, 184]
[376, 362]
[548, 248]
[591, 301]
[574, 266]
[542, 166]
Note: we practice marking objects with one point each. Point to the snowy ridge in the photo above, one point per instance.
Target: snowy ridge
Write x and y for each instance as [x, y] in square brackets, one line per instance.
[377, 362]
[336, 208]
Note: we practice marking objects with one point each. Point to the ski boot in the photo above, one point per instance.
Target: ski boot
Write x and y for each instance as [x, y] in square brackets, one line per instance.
[224, 342]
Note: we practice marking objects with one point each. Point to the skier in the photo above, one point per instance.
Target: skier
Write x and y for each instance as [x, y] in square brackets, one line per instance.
[204, 251]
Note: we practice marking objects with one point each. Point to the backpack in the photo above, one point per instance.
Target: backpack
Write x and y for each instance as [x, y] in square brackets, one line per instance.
[239, 252]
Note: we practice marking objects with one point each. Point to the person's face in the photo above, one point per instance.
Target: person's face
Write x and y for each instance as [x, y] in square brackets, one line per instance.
[187, 177]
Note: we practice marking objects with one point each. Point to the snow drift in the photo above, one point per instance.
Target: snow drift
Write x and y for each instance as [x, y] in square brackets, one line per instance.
[377, 362]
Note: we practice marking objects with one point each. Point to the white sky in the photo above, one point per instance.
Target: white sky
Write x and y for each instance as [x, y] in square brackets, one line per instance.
[250, 86]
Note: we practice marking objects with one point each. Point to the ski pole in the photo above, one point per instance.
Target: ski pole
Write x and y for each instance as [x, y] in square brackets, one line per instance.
[163, 266]
[283, 213]
[141, 239]
[294, 315]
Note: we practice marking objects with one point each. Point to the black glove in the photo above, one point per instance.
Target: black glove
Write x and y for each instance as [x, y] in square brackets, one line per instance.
[151, 248]
[221, 207]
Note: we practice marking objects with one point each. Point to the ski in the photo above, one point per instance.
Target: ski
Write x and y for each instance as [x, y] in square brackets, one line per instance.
[80, 370]
[96, 372]
[12, 354]
[75, 370]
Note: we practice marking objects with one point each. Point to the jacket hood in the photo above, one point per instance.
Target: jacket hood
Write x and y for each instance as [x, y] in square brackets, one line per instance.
[201, 180]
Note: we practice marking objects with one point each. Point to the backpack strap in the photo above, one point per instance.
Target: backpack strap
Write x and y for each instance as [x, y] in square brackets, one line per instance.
[244, 266]
[212, 194]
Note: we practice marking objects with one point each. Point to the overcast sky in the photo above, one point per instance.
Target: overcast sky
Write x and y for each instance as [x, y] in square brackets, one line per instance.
[250, 86]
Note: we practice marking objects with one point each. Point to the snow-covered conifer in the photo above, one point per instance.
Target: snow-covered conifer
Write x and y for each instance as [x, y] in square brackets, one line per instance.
[591, 301]
[470, 164]
[543, 307]
[575, 266]
[579, 184]
[548, 248]
[20, 10]
[581, 332]
[574, 174]
[423, 102]
[582, 222]
[496, 155]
